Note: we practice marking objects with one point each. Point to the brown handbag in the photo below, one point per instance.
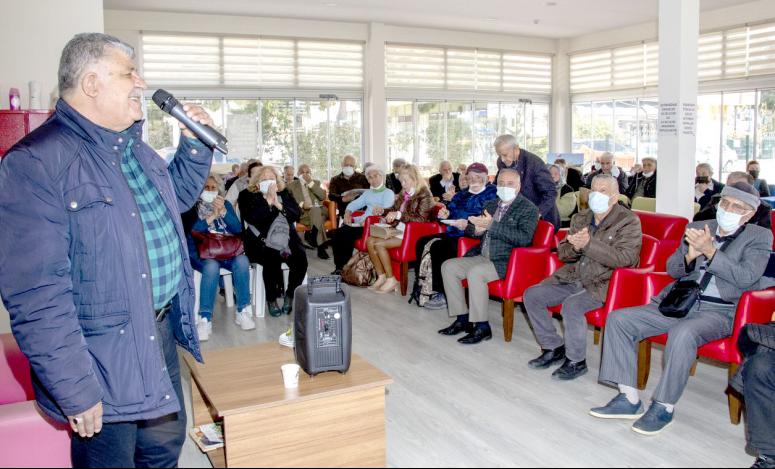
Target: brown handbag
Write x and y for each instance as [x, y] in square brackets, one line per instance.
[217, 246]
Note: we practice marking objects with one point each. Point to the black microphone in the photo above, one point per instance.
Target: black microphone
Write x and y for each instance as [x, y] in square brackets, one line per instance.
[205, 133]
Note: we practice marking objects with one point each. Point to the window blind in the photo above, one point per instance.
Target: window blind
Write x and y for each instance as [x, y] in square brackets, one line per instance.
[615, 69]
[447, 68]
[257, 62]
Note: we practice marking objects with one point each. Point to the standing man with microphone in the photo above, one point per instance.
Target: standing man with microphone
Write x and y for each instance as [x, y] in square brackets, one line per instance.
[94, 262]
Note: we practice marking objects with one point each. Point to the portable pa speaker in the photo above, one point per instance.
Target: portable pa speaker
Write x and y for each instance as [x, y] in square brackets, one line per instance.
[323, 325]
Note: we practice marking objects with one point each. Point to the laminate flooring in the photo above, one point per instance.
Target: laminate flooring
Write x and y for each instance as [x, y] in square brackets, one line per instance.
[459, 406]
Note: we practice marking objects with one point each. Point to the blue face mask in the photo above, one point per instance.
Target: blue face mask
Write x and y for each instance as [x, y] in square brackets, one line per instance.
[598, 202]
[507, 194]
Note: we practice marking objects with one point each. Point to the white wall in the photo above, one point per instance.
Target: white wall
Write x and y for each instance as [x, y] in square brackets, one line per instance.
[32, 34]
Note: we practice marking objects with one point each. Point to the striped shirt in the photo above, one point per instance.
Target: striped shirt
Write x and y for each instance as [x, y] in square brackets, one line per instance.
[161, 239]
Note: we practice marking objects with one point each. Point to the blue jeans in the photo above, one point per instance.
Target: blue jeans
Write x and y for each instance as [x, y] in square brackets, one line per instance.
[145, 443]
[211, 274]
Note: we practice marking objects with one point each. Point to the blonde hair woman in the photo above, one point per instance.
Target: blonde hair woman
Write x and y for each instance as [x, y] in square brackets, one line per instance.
[413, 204]
[261, 204]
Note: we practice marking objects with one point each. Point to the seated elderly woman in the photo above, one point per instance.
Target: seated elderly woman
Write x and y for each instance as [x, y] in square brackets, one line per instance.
[466, 203]
[723, 258]
[271, 240]
[413, 204]
[374, 201]
[566, 197]
[214, 214]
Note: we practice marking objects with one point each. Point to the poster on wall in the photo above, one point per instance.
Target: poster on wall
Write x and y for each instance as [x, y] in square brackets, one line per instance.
[668, 119]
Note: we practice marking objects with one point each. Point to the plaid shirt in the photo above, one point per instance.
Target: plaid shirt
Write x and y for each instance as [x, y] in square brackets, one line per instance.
[160, 237]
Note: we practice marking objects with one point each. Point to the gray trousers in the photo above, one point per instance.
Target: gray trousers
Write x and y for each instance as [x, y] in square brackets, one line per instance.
[575, 303]
[479, 271]
[625, 329]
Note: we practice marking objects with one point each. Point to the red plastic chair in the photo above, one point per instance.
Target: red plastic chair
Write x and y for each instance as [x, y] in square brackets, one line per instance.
[401, 256]
[559, 237]
[527, 267]
[772, 227]
[661, 226]
[755, 307]
[466, 244]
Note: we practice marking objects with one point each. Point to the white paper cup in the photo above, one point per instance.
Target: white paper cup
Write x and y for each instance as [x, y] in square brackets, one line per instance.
[291, 375]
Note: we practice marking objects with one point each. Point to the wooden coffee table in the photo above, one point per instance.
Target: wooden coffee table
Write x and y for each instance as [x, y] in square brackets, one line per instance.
[331, 420]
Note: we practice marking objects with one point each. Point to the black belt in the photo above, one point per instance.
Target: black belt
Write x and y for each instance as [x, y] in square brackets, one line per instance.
[714, 300]
[161, 313]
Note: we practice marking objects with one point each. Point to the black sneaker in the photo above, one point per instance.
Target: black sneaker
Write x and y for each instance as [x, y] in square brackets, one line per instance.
[571, 370]
[656, 419]
[548, 358]
[764, 462]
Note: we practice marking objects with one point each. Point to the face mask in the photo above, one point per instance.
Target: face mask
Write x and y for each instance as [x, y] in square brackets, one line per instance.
[476, 190]
[754, 174]
[348, 171]
[648, 175]
[507, 194]
[264, 186]
[615, 172]
[598, 202]
[208, 197]
[728, 221]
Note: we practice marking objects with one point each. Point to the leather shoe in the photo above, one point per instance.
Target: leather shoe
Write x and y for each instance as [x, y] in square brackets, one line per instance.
[548, 358]
[479, 334]
[456, 328]
[570, 370]
[323, 254]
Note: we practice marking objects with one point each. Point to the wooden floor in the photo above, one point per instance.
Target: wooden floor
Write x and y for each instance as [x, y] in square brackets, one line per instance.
[457, 406]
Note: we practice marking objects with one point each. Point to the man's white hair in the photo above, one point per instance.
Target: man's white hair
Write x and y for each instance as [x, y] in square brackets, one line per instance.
[83, 50]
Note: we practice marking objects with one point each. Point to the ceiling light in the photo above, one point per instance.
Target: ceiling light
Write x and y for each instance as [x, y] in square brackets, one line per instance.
[492, 19]
[536, 21]
[331, 5]
[551, 4]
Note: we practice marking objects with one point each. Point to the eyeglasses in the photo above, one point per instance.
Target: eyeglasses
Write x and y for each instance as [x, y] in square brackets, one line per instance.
[738, 209]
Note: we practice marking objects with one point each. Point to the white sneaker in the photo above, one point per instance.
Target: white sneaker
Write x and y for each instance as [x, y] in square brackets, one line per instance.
[204, 328]
[243, 320]
[287, 339]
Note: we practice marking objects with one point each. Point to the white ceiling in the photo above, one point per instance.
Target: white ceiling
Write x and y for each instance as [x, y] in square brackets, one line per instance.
[567, 18]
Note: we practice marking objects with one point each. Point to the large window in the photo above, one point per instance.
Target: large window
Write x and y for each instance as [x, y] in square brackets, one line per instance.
[277, 131]
[732, 128]
[427, 132]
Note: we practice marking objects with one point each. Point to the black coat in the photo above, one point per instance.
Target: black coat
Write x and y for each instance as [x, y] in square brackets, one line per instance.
[256, 211]
[574, 179]
[707, 198]
[437, 189]
[755, 338]
[651, 186]
[393, 183]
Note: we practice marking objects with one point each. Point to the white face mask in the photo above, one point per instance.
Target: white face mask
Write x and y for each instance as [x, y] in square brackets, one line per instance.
[208, 197]
[648, 175]
[598, 202]
[476, 190]
[264, 186]
[728, 221]
[348, 171]
[507, 194]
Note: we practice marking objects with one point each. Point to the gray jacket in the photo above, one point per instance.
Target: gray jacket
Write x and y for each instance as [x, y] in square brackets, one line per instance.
[739, 268]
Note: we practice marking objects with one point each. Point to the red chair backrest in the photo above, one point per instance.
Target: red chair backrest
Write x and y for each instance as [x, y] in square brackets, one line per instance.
[361, 243]
[662, 226]
[755, 307]
[665, 249]
[627, 288]
[466, 244]
[412, 234]
[544, 235]
[648, 251]
[560, 236]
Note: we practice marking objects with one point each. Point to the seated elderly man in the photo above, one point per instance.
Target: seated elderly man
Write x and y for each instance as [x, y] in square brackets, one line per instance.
[723, 258]
[762, 217]
[644, 183]
[705, 187]
[506, 223]
[310, 195]
[345, 187]
[288, 172]
[445, 184]
[607, 166]
[602, 238]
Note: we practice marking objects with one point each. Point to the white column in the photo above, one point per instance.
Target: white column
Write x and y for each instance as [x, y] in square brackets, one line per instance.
[375, 105]
[679, 24]
[561, 107]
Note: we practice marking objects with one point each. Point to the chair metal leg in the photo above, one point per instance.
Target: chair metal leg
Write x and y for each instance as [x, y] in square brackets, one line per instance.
[597, 336]
[644, 363]
[735, 406]
[404, 278]
[508, 319]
